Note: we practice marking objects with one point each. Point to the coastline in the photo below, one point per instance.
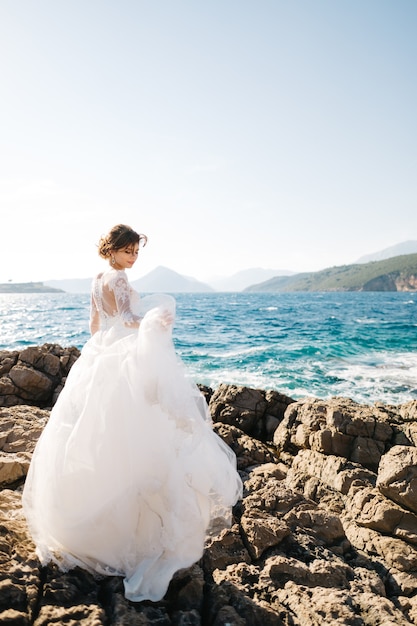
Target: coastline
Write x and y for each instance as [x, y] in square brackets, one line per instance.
[35, 287]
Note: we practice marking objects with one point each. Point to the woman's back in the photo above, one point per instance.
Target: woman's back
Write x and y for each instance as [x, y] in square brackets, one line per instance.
[111, 301]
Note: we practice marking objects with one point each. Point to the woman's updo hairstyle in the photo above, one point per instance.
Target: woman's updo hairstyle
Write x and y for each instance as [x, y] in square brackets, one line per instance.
[119, 237]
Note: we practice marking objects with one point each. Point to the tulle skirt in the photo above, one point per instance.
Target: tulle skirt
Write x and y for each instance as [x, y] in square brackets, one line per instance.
[128, 477]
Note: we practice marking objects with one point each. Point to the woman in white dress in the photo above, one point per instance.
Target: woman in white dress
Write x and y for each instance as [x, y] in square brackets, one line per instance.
[128, 477]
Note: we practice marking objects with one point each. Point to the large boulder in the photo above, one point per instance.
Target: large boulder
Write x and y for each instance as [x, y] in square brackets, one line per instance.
[254, 411]
[397, 477]
[339, 427]
[35, 376]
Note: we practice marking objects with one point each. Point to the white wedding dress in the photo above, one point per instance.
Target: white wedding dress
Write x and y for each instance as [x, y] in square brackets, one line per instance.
[128, 477]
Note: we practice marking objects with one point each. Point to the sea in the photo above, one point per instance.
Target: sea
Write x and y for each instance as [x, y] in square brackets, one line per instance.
[352, 344]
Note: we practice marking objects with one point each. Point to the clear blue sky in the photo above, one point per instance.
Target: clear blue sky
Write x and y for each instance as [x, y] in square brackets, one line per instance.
[234, 133]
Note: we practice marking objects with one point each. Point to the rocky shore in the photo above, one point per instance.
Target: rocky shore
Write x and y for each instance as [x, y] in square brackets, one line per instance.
[326, 532]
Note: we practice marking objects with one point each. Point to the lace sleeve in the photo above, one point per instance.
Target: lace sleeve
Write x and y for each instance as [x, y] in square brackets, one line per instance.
[121, 289]
[94, 316]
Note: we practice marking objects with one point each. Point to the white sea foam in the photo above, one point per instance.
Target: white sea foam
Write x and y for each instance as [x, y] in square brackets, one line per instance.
[368, 320]
[231, 354]
[390, 377]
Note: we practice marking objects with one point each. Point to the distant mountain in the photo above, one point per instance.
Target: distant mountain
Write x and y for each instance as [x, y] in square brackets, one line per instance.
[245, 278]
[395, 274]
[166, 280]
[159, 279]
[406, 247]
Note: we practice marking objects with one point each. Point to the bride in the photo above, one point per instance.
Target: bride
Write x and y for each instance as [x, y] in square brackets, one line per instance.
[128, 477]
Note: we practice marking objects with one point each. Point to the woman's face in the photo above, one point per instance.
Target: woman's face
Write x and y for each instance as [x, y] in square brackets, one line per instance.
[124, 258]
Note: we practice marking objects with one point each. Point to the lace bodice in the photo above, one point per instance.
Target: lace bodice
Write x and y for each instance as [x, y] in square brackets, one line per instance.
[111, 301]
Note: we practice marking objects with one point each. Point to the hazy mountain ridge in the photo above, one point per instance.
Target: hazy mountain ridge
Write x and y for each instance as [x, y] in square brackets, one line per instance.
[167, 280]
[395, 274]
[163, 279]
[160, 279]
[405, 247]
[245, 278]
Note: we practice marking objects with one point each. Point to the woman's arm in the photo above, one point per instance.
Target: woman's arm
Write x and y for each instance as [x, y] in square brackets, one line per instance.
[94, 317]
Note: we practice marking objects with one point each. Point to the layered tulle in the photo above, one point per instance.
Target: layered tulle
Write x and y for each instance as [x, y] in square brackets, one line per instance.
[128, 477]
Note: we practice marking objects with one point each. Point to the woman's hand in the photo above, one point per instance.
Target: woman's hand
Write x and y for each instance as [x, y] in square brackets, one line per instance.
[166, 319]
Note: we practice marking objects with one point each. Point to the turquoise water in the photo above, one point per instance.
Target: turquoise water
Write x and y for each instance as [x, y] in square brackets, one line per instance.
[359, 345]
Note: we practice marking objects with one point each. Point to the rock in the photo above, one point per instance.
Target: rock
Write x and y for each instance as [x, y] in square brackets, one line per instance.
[335, 472]
[257, 413]
[7, 361]
[262, 531]
[187, 591]
[20, 428]
[20, 576]
[321, 605]
[391, 553]
[234, 594]
[339, 427]
[408, 411]
[249, 451]
[35, 375]
[397, 476]
[369, 508]
[31, 383]
[326, 532]
[225, 549]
